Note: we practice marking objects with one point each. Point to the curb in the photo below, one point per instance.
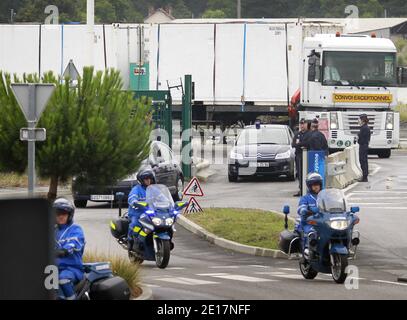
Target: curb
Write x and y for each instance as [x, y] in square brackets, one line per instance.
[228, 244]
[147, 293]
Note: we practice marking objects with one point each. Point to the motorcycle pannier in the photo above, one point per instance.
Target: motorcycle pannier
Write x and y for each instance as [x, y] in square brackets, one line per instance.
[114, 288]
[119, 228]
[285, 239]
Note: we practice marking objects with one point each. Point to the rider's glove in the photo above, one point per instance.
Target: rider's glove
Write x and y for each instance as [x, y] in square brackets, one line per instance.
[62, 253]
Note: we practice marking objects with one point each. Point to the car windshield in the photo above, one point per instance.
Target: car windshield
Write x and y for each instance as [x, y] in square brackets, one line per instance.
[159, 197]
[331, 200]
[359, 69]
[263, 136]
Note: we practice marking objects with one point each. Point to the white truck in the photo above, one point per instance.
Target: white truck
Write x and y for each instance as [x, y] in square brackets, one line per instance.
[343, 76]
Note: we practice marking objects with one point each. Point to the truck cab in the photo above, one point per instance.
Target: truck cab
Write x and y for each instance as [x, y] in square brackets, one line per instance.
[344, 76]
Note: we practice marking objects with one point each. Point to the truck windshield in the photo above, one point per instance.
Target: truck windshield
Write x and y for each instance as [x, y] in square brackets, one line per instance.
[359, 69]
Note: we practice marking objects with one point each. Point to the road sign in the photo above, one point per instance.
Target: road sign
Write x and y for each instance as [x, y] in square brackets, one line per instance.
[193, 206]
[71, 72]
[32, 98]
[194, 189]
[30, 134]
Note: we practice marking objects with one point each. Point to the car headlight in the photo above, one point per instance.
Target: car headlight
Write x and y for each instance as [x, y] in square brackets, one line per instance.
[390, 121]
[338, 224]
[156, 221]
[169, 221]
[334, 120]
[284, 155]
[236, 156]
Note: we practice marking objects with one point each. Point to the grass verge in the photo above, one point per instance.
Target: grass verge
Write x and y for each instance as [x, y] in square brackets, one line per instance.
[402, 108]
[15, 180]
[246, 226]
[121, 267]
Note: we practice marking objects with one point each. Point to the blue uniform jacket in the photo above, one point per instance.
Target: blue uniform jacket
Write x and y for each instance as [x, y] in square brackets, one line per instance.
[138, 193]
[306, 203]
[71, 238]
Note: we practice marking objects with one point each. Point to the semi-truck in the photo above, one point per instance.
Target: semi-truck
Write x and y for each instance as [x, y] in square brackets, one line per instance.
[344, 76]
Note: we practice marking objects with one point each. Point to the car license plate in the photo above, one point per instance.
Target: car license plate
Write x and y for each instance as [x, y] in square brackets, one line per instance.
[260, 164]
[104, 197]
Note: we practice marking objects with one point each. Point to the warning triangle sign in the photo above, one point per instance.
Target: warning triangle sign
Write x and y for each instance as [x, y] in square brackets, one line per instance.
[194, 189]
[193, 206]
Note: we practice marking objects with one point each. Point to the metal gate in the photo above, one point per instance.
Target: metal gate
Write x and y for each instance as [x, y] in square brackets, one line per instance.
[161, 103]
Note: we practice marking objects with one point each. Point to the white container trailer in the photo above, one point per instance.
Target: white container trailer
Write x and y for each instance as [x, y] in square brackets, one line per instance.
[236, 66]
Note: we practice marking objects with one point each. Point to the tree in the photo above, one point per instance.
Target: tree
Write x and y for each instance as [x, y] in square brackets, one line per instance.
[214, 14]
[89, 130]
[13, 153]
[33, 10]
[180, 10]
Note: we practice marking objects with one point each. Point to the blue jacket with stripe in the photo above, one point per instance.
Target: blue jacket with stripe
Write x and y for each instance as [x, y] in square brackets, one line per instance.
[306, 203]
[71, 238]
[138, 193]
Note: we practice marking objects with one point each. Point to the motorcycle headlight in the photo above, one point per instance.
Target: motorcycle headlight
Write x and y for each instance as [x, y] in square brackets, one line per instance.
[156, 221]
[334, 120]
[284, 155]
[169, 221]
[236, 156]
[390, 121]
[339, 224]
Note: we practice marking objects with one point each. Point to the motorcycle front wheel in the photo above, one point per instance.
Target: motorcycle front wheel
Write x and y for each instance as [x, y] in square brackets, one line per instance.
[306, 270]
[338, 268]
[162, 256]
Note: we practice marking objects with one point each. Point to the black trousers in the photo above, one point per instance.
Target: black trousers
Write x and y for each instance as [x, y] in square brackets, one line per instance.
[298, 168]
[363, 153]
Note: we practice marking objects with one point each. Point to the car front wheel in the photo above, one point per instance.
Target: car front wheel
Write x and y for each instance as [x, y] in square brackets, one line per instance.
[80, 203]
[179, 189]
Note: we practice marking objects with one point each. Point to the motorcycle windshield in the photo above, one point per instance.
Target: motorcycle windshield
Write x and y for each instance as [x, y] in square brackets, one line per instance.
[331, 201]
[159, 197]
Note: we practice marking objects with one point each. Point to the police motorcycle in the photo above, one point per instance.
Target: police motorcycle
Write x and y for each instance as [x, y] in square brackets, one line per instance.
[332, 241]
[158, 218]
[99, 283]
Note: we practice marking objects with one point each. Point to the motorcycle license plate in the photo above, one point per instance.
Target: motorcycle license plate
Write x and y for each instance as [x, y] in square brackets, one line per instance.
[259, 164]
[102, 197]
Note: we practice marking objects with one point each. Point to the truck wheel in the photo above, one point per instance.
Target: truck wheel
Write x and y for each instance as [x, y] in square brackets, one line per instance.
[384, 154]
[232, 178]
[80, 203]
[338, 269]
[162, 256]
[306, 270]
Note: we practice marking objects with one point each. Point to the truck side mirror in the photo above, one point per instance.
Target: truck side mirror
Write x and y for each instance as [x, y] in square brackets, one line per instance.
[314, 67]
[402, 76]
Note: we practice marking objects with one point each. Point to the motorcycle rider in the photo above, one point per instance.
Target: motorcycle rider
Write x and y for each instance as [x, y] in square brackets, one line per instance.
[145, 177]
[314, 184]
[70, 244]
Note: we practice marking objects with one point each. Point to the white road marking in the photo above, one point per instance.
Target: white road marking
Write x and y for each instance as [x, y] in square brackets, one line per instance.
[175, 268]
[151, 285]
[258, 266]
[288, 269]
[390, 282]
[281, 275]
[187, 281]
[236, 277]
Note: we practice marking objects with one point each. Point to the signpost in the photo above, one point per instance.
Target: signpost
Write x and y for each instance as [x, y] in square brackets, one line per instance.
[32, 99]
[193, 190]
